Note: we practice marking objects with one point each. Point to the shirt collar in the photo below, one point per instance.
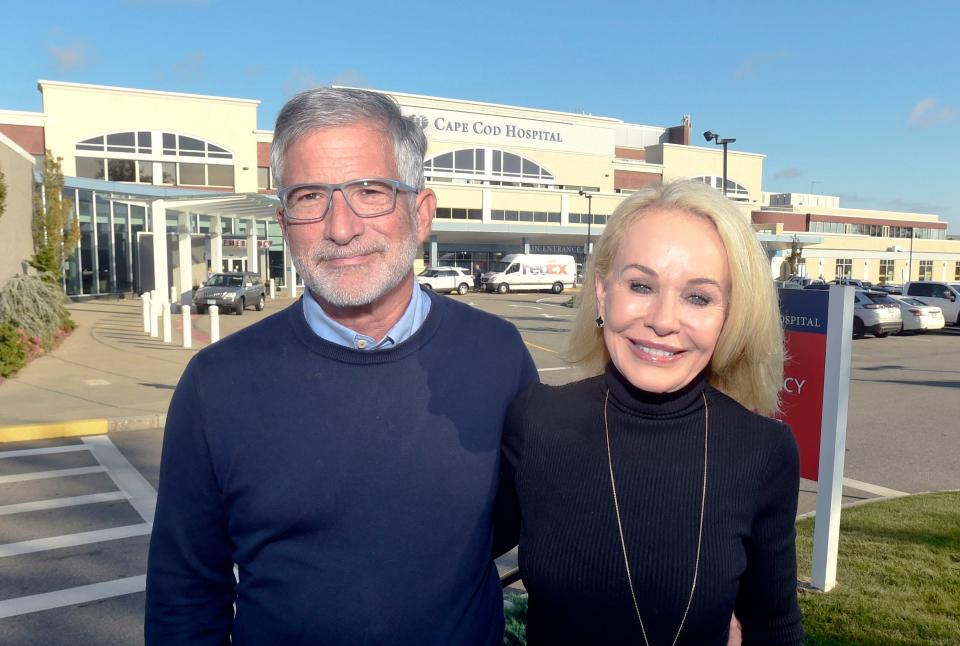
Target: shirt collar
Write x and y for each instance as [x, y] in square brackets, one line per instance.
[330, 330]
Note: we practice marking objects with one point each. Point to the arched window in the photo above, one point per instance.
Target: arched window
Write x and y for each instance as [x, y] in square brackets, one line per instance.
[734, 191]
[152, 157]
[488, 165]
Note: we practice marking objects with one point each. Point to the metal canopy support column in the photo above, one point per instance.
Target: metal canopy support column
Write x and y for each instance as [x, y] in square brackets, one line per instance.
[252, 250]
[158, 225]
[216, 244]
[434, 253]
[291, 270]
[184, 259]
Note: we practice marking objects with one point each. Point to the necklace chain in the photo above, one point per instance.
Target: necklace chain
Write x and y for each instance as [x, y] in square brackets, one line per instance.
[623, 543]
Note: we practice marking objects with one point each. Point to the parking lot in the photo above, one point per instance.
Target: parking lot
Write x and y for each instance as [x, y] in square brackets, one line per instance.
[75, 513]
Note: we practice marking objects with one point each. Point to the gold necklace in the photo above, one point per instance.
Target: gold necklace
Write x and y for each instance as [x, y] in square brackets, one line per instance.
[623, 543]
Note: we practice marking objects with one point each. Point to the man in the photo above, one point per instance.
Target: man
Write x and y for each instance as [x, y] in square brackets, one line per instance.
[329, 452]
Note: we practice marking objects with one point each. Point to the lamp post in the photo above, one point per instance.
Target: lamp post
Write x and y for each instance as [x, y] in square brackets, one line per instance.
[709, 135]
[589, 197]
[910, 262]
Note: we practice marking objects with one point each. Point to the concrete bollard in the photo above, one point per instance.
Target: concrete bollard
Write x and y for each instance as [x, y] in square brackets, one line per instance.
[145, 298]
[173, 294]
[154, 314]
[273, 289]
[214, 324]
[167, 324]
[187, 329]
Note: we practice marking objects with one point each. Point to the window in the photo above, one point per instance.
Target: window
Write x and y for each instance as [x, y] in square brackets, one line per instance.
[130, 157]
[447, 213]
[956, 271]
[926, 270]
[734, 191]
[265, 179]
[472, 164]
[844, 267]
[525, 216]
[886, 271]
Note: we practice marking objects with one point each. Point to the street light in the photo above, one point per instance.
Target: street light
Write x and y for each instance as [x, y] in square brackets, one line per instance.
[589, 197]
[709, 135]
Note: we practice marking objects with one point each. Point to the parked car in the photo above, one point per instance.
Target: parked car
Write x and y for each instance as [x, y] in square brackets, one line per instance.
[945, 295]
[875, 313]
[817, 284]
[446, 279]
[890, 289]
[917, 316]
[862, 284]
[231, 291]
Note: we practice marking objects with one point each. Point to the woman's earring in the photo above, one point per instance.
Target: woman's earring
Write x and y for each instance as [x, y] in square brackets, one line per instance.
[600, 322]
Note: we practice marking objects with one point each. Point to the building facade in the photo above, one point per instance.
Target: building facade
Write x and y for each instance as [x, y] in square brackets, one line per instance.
[508, 179]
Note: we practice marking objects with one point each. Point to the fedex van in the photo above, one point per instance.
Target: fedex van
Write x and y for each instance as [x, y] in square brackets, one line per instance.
[519, 271]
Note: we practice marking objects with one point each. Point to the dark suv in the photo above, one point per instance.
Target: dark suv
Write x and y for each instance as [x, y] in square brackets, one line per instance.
[231, 291]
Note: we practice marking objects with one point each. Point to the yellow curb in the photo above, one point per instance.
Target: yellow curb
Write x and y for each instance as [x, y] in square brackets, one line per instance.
[25, 432]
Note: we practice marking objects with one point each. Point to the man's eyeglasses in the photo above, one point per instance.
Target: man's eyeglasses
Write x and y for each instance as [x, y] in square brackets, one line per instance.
[367, 198]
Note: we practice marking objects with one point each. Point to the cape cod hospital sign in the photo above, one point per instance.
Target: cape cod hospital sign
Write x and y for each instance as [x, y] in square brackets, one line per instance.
[444, 123]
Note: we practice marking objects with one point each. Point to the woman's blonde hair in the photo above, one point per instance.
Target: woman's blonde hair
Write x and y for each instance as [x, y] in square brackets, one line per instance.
[747, 363]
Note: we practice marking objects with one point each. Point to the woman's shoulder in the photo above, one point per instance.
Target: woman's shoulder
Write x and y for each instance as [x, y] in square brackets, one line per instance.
[745, 424]
[569, 394]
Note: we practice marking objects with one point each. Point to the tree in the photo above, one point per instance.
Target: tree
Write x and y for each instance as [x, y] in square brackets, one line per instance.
[56, 229]
[796, 254]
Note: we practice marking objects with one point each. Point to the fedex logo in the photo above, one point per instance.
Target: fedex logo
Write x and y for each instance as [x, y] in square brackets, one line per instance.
[552, 269]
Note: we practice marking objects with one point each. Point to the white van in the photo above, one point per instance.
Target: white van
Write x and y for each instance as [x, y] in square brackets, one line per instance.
[519, 271]
[945, 295]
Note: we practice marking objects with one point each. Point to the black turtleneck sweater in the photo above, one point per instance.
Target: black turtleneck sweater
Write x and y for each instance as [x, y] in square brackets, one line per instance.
[556, 485]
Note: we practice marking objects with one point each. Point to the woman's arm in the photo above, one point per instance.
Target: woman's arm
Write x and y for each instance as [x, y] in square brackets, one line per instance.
[767, 606]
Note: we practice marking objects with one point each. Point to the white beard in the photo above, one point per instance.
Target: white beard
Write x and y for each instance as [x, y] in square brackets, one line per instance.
[358, 285]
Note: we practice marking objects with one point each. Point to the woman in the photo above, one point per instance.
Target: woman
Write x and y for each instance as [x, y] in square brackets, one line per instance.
[652, 502]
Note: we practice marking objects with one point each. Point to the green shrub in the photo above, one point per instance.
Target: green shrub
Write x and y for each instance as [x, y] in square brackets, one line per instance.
[515, 620]
[12, 353]
[35, 306]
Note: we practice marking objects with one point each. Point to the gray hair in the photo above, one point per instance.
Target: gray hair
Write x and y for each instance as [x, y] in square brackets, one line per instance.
[326, 107]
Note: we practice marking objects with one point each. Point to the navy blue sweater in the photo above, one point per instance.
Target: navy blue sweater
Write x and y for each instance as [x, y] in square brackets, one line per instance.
[353, 490]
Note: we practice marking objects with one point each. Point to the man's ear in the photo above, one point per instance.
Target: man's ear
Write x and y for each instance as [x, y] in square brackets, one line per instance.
[426, 206]
[282, 222]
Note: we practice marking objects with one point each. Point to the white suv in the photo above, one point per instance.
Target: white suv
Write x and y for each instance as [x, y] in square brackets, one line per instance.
[446, 279]
[876, 313]
[945, 295]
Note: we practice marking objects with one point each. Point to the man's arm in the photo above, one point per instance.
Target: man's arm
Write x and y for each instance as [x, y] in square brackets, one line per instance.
[190, 582]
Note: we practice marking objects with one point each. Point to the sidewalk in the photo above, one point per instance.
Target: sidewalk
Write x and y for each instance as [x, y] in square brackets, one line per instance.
[108, 373]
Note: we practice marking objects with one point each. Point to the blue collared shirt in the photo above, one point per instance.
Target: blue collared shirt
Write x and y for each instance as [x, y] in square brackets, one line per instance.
[329, 330]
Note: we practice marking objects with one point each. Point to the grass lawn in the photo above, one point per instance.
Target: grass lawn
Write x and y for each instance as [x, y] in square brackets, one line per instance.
[898, 575]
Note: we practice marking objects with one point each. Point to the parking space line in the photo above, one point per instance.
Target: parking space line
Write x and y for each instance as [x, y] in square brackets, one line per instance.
[539, 347]
[57, 473]
[72, 596]
[877, 490]
[19, 453]
[57, 503]
[73, 540]
[140, 493]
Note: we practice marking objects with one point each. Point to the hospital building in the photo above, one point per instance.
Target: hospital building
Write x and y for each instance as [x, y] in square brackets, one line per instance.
[169, 186]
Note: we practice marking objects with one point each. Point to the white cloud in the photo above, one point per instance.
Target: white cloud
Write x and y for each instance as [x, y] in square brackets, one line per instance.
[73, 57]
[788, 173]
[928, 112]
[351, 78]
[191, 67]
[753, 65]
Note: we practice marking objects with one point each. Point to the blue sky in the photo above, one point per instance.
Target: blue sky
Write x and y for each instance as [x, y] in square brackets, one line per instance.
[856, 99]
